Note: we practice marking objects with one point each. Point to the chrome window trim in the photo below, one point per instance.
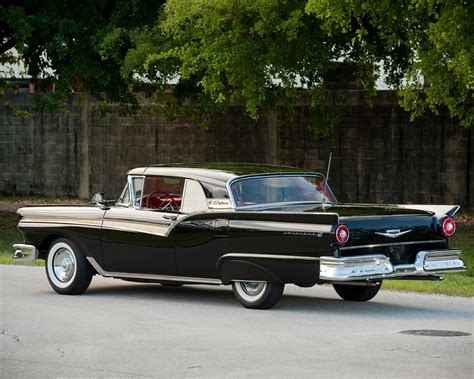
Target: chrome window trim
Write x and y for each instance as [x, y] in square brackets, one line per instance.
[389, 244]
[131, 275]
[132, 190]
[281, 203]
[273, 175]
[121, 203]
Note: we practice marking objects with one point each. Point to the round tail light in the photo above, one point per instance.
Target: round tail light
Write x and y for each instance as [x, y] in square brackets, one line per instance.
[342, 234]
[448, 227]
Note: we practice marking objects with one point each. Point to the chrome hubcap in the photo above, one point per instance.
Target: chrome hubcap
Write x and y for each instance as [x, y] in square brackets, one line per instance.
[252, 288]
[64, 265]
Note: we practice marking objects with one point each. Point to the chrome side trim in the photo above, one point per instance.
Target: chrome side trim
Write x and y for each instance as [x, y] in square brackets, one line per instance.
[136, 227]
[379, 266]
[270, 256]
[138, 221]
[389, 244]
[278, 226]
[24, 253]
[56, 222]
[131, 275]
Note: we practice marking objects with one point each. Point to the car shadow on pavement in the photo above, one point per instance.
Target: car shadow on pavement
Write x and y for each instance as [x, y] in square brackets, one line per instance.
[289, 303]
[185, 293]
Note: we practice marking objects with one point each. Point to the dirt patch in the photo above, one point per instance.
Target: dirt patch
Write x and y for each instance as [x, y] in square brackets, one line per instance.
[465, 218]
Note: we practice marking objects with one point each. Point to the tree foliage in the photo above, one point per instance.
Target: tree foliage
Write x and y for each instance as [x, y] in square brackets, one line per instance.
[79, 45]
[212, 53]
[426, 46]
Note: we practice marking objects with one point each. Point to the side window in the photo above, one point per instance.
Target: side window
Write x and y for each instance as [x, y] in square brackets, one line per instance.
[137, 188]
[163, 193]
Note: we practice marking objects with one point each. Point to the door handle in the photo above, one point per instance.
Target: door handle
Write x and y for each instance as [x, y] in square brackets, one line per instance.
[221, 227]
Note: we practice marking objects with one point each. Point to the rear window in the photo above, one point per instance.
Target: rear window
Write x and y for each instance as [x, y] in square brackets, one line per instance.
[280, 189]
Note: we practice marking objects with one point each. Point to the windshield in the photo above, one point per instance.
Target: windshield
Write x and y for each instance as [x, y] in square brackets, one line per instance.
[280, 189]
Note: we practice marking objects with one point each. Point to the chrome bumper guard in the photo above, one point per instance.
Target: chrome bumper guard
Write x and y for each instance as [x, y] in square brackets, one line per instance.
[379, 266]
[24, 253]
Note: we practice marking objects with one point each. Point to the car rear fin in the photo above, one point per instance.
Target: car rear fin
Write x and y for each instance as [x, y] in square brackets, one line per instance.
[437, 210]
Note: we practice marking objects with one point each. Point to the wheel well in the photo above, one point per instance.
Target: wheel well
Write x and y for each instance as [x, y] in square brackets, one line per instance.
[46, 243]
[243, 270]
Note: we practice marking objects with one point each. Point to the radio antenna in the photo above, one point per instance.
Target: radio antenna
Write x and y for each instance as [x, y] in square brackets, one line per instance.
[326, 179]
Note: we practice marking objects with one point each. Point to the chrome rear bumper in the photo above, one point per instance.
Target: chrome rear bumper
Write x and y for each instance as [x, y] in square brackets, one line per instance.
[24, 253]
[362, 267]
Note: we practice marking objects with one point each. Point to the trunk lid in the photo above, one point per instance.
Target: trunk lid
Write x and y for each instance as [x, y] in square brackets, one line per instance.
[398, 232]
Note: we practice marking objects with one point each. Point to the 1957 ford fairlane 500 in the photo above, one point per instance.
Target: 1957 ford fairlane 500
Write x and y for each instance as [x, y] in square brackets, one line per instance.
[252, 226]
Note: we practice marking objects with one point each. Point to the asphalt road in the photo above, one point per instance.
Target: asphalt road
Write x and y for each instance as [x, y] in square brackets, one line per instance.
[121, 329]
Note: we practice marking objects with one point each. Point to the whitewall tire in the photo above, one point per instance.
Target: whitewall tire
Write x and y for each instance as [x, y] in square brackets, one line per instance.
[67, 269]
[257, 295]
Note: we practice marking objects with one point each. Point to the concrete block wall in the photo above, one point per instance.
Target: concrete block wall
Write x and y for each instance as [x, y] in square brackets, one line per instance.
[378, 155]
[38, 154]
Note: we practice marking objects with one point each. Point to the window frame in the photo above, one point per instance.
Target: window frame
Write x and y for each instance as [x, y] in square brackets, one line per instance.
[279, 175]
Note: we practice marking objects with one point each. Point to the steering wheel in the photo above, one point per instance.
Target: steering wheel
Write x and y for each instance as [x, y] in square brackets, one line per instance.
[167, 200]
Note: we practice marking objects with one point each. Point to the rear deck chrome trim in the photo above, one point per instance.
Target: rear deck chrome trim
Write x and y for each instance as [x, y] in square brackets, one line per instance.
[389, 244]
[131, 275]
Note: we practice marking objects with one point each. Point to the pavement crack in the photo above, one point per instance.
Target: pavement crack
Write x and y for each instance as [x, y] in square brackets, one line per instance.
[105, 371]
[15, 338]
[401, 349]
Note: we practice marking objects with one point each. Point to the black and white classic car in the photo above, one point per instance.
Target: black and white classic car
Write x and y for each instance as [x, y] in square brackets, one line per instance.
[255, 227]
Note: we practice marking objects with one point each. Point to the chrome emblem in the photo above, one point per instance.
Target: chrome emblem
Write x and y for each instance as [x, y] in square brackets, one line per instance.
[393, 233]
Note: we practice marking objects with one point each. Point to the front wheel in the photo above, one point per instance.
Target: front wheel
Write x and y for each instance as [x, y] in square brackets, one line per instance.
[258, 295]
[357, 293]
[67, 269]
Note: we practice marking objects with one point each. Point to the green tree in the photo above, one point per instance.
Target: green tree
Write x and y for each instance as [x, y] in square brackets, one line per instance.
[212, 53]
[426, 46]
[228, 50]
[79, 45]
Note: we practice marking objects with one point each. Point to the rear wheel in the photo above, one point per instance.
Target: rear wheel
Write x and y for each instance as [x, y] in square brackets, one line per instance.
[258, 295]
[357, 293]
[67, 269]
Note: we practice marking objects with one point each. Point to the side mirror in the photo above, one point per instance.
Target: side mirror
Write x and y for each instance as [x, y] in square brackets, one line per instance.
[98, 198]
